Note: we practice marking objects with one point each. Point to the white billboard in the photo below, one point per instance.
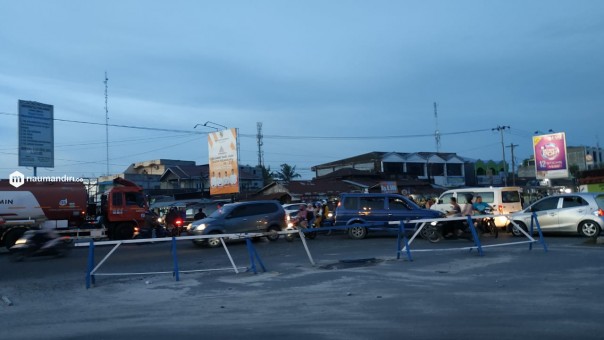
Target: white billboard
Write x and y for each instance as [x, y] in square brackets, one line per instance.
[224, 169]
[36, 134]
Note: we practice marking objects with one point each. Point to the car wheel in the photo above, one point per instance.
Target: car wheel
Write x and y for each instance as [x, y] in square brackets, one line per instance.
[589, 229]
[273, 233]
[357, 232]
[515, 230]
[213, 242]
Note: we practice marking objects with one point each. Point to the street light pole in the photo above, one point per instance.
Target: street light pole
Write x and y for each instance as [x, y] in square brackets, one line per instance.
[505, 168]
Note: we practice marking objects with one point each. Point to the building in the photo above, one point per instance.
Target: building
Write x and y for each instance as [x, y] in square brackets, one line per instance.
[146, 174]
[438, 168]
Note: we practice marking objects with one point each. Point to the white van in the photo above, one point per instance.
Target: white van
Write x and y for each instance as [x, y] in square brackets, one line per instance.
[504, 200]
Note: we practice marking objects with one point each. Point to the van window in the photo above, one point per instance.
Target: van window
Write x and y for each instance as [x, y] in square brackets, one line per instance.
[351, 203]
[462, 197]
[240, 211]
[510, 196]
[446, 198]
[264, 208]
[398, 204]
[487, 196]
[372, 203]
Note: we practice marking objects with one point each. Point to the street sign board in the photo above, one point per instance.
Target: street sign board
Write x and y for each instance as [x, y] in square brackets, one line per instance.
[36, 134]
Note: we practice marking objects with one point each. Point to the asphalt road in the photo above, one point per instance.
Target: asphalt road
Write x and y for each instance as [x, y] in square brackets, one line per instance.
[356, 290]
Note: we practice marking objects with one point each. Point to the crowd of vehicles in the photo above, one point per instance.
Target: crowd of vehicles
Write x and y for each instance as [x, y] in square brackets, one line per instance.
[123, 213]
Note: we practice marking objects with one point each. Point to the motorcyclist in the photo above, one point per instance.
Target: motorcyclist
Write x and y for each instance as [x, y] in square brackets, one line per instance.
[42, 236]
[480, 206]
[318, 214]
[302, 216]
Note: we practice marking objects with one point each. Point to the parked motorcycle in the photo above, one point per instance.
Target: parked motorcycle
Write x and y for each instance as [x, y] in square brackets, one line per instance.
[41, 242]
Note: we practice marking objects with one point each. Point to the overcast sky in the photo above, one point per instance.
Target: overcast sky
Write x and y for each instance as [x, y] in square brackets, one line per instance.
[327, 79]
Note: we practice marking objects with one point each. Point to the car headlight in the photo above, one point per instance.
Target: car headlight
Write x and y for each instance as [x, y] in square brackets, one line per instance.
[201, 227]
[21, 241]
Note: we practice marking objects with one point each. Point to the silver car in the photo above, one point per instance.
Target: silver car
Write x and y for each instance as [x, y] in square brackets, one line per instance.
[579, 212]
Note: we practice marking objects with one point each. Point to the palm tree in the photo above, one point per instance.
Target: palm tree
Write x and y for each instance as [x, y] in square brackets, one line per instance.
[287, 173]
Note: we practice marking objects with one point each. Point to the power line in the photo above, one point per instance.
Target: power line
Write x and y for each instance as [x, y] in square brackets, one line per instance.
[290, 137]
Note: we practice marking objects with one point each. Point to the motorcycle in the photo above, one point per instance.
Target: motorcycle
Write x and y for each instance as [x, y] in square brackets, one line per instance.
[297, 224]
[449, 230]
[486, 225]
[40, 243]
[152, 227]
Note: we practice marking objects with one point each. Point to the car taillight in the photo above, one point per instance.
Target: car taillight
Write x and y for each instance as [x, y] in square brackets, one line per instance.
[178, 222]
[600, 212]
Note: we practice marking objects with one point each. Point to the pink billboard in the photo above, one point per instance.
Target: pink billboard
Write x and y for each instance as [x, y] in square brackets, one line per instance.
[550, 156]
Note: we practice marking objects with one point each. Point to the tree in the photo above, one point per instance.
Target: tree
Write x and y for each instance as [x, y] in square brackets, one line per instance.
[287, 173]
[267, 175]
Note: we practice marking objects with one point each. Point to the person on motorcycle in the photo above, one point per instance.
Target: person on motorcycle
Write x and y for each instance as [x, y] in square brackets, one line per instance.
[325, 212]
[480, 206]
[468, 208]
[318, 214]
[302, 216]
[41, 237]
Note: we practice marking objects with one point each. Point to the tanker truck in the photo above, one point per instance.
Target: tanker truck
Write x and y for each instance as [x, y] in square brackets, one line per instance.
[64, 207]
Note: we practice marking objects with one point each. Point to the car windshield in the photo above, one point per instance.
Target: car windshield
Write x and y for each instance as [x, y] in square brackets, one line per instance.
[227, 208]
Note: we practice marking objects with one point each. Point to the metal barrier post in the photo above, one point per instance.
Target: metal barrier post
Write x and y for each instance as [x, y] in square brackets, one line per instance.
[89, 276]
[475, 236]
[303, 239]
[175, 273]
[401, 230]
[541, 239]
[254, 256]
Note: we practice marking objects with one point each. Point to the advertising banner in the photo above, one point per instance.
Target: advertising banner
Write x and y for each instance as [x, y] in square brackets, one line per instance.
[224, 170]
[550, 156]
[36, 134]
[388, 187]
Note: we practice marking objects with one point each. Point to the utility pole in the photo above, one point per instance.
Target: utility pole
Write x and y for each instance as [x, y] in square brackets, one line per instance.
[505, 168]
[512, 146]
[106, 123]
[436, 132]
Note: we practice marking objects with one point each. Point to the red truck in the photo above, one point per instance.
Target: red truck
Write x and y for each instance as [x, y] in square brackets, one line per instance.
[64, 207]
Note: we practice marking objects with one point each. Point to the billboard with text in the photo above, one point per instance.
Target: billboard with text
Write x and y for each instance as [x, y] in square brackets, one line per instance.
[550, 156]
[36, 134]
[224, 169]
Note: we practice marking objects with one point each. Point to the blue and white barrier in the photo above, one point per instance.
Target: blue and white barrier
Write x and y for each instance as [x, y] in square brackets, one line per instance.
[477, 244]
[92, 270]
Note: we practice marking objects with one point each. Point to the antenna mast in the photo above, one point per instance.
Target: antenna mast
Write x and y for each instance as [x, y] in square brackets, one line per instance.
[260, 143]
[106, 123]
[436, 132]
